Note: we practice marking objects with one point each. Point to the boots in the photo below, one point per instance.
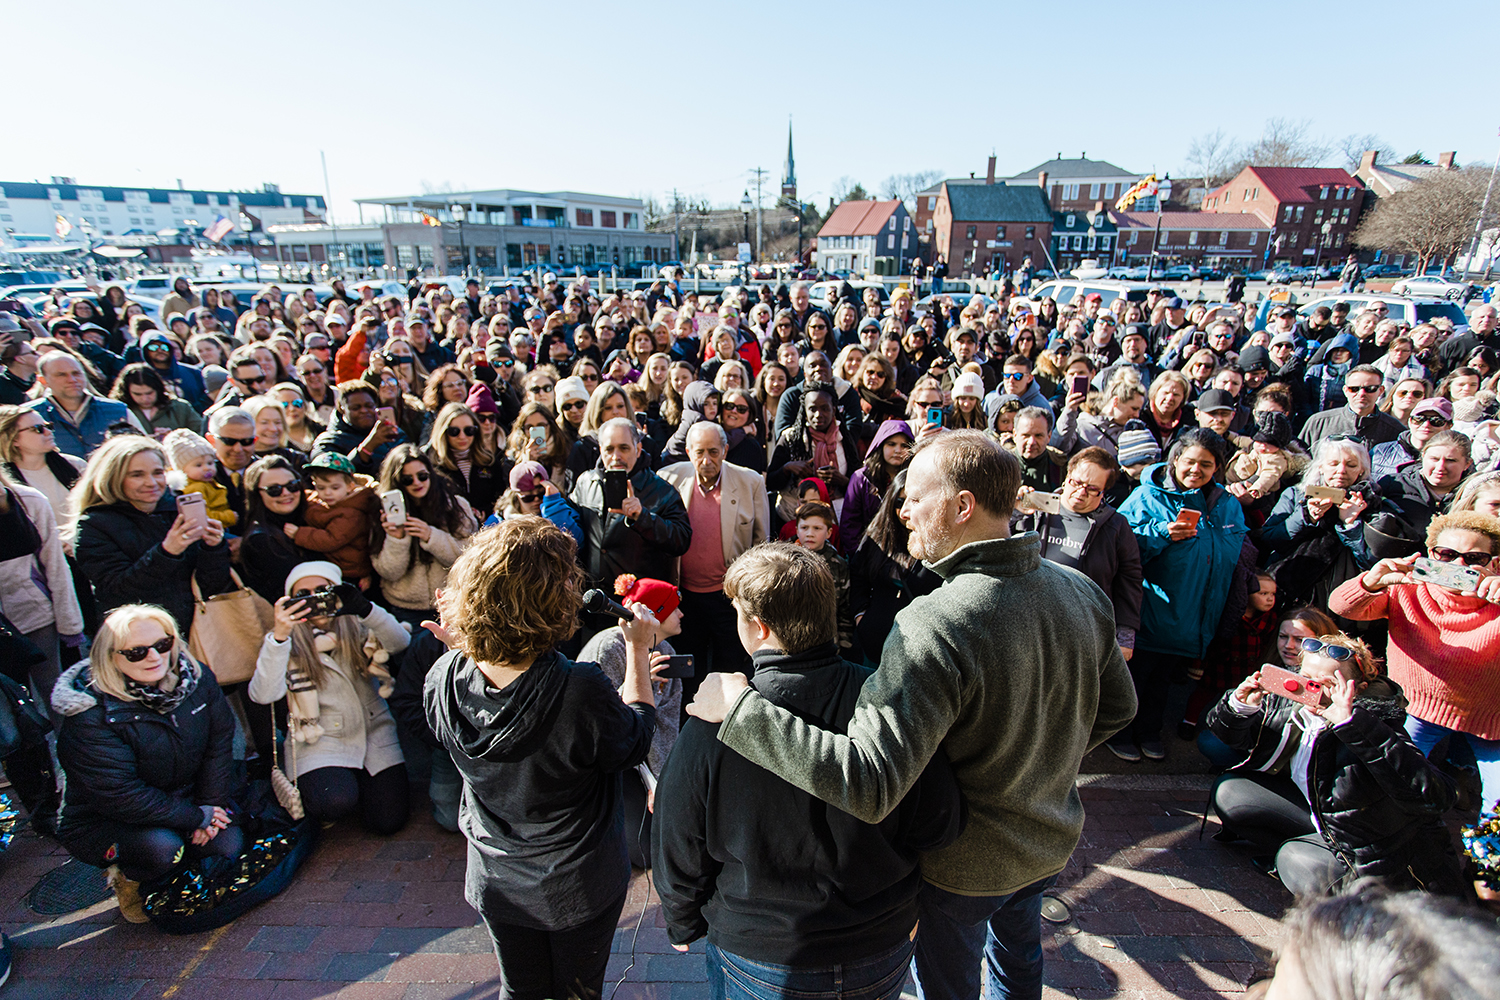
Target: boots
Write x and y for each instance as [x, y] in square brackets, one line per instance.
[128, 895]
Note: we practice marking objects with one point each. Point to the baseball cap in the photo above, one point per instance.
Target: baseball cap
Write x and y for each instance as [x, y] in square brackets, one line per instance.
[525, 476]
[1174, 303]
[1215, 399]
[1437, 405]
[332, 461]
[1283, 311]
[1094, 297]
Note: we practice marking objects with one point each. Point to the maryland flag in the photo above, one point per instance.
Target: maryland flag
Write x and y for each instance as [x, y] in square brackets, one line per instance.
[62, 227]
[430, 220]
[1144, 188]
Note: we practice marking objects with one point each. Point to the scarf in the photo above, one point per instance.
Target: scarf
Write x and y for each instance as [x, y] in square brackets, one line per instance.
[826, 450]
[163, 701]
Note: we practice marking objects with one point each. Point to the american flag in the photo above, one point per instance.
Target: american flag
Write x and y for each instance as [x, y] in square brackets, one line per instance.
[220, 229]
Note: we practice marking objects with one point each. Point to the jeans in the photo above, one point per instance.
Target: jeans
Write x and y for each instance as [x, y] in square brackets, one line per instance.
[546, 965]
[733, 977]
[1463, 749]
[955, 932]
[1220, 754]
[445, 786]
[937, 286]
[145, 853]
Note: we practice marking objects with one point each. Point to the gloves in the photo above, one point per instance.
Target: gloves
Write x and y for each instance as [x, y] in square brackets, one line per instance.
[352, 600]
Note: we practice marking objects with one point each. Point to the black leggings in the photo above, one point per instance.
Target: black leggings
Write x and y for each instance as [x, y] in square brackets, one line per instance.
[148, 852]
[537, 964]
[1271, 812]
[384, 799]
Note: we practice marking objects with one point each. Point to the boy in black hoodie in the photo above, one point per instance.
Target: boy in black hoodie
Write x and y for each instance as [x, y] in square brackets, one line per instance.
[787, 888]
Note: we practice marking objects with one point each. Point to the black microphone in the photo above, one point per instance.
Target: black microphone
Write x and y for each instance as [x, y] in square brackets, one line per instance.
[597, 602]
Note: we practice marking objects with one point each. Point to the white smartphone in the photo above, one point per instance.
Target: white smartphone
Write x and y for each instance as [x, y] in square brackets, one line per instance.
[1048, 503]
[538, 434]
[393, 502]
[1454, 576]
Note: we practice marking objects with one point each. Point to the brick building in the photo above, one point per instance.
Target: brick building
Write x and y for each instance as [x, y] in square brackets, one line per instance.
[1296, 203]
[866, 236]
[1220, 239]
[1082, 235]
[994, 225]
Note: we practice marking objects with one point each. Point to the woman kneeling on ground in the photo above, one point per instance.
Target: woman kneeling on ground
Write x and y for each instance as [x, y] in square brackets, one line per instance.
[147, 746]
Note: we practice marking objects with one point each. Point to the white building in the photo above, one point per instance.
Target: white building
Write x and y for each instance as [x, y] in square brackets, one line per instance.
[31, 208]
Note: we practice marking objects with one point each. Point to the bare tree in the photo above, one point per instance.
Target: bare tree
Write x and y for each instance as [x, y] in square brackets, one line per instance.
[1432, 220]
[906, 186]
[1352, 147]
[1287, 143]
[1213, 156]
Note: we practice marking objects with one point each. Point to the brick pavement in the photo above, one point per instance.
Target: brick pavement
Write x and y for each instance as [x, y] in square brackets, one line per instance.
[1156, 913]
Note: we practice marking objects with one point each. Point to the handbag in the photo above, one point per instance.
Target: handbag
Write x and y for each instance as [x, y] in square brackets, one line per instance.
[228, 629]
[287, 792]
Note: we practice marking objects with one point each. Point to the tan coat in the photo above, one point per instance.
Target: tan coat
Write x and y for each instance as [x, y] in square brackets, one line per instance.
[744, 508]
[414, 587]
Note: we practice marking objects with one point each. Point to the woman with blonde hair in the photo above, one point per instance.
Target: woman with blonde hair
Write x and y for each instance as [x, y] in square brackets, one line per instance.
[1165, 413]
[147, 744]
[1120, 403]
[606, 402]
[341, 747]
[541, 742]
[653, 381]
[732, 375]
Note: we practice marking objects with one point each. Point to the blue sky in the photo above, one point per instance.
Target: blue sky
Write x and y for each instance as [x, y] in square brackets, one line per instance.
[478, 95]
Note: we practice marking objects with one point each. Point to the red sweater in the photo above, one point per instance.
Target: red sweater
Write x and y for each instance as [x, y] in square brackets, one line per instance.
[1444, 651]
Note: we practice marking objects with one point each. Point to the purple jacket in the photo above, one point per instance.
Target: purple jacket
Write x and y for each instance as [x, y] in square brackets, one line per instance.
[861, 498]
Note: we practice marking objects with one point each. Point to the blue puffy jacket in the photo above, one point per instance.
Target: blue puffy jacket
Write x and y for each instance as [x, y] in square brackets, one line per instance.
[1187, 582]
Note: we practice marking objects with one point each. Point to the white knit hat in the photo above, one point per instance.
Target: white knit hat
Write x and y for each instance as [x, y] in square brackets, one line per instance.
[316, 567]
[183, 446]
[968, 384]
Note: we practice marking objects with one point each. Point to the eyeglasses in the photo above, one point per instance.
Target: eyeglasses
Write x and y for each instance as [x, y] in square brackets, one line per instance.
[232, 442]
[1013, 376]
[1431, 420]
[1339, 653]
[537, 390]
[276, 489]
[577, 404]
[736, 408]
[135, 654]
[420, 477]
[1085, 488]
[45, 427]
[1442, 554]
[468, 431]
[488, 418]
[1362, 388]
[530, 497]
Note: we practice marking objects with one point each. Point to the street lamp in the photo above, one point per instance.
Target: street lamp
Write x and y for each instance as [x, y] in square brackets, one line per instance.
[1318, 252]
[463, 253]
[745, 205]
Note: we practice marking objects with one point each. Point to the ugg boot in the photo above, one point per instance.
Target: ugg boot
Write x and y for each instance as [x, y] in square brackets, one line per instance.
[128, 895]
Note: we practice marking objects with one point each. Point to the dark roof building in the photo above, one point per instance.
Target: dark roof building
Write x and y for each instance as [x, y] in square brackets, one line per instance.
[981, 228]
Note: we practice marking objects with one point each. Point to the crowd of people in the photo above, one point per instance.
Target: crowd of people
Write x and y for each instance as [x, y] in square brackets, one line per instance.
[774, 487]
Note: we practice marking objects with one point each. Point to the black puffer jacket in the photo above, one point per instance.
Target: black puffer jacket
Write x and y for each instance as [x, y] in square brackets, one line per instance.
[1377, 800]
[119, 550]
[649, 546]
[127, 764]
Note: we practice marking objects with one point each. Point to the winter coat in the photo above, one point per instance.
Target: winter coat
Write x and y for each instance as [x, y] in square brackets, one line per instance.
[1375, 799]
[1390, 457]
[411, 583]
[648, 546]
[128, 764]
[267, 555]
[794, 447]
[119, 549]
[37, 588]
[1110, 557]
[344, 439]
[1375, 429]
[726, 829]
[694, 397]
[80, 439]
[543, 801]
[484, 485]
[879, 587]
[1325, 382]
[861, 498]
[358, 728]
[1310, 558]
[1412, 499]
[179, 413]
[341, 532]
[1186, 582]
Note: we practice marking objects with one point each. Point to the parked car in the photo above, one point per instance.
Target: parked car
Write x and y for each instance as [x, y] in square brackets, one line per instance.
[1436, 285]
[1066, 290]
[1408, 309]
[1383, 271]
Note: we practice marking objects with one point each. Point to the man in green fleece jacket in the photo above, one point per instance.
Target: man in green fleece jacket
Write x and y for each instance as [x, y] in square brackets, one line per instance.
[1012, 667]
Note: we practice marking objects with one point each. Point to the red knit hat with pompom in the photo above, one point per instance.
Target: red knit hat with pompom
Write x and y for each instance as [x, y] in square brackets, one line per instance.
[657, 595]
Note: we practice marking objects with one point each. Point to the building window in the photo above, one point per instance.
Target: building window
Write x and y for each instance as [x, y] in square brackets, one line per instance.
[1078, 243]
[1299, 213]
[1252, 239]
[1346, 216]
[1091, 243]
[929, 225]
[1286, 216]
[1031, 232]
[1338, 240]
[1255, 194]
[971, 231]
[1111, 189]
[903, 240]
[1323, 193]
[1070, 192]
[1245, 195]
[1093, 191]
[1071, 220]
[932, 203]
[1104, 242]
[1134, 235]
[890, 241]
[905, 223]
[1318, 217]
[607, 219]
[892, 226]
[1193, 238]
[583, 216]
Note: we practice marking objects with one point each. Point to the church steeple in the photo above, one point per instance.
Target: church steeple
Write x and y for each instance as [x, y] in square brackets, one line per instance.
[789, 171]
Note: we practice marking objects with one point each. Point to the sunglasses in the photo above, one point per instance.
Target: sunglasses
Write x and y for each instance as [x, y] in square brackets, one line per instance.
[1340, 653]
[45, 427]
[817, 326]
[537, 390]
[277, 489]
[487, 418]
[736, 408]
[505, 364]
[313, 371]
[1442, 554]
[1014, 376]
[295, 404]
[577, 404]
[420, 477]
[1431, 420]
[454, 432]
[1362, 388]
[258, 380]
[135, 654]
[530, 497]
[320, 347]
[242, 442]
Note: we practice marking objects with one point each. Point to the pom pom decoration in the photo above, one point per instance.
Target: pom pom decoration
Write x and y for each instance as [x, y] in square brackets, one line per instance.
[623, 584]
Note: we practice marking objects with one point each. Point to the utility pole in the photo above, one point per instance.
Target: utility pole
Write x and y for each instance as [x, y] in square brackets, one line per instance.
[759, 172]
[1484, 208]
[676, 225]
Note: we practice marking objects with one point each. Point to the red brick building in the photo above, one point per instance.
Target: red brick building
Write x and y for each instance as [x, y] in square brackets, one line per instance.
[974, 225]
[1297, 203]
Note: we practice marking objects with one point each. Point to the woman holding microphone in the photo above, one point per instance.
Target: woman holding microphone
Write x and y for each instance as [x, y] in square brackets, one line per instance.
[541, 743]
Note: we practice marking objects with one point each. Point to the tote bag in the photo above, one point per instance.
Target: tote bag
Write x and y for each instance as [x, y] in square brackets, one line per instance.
[228, 629]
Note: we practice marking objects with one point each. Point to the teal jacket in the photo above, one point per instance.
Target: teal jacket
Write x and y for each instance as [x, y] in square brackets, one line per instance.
[1187, 582]
[1011, 667]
